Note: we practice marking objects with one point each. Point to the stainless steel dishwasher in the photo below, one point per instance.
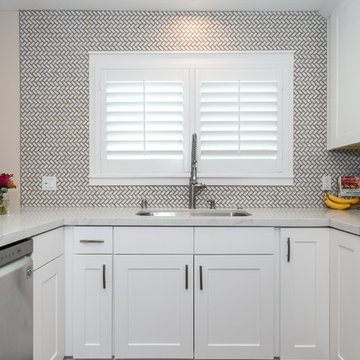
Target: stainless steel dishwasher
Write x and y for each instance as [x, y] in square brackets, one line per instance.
[16, 301]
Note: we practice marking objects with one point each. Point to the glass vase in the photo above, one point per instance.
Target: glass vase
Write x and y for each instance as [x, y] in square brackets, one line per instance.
[4, 201]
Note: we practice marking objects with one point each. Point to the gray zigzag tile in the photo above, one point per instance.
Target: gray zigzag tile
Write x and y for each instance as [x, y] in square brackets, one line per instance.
[55, 110]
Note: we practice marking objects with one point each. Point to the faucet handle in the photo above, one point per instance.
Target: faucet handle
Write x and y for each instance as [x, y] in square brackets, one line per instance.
[144, 204]
[212, 204]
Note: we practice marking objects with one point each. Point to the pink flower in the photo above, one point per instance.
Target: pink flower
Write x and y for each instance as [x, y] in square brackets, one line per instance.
[6, 181]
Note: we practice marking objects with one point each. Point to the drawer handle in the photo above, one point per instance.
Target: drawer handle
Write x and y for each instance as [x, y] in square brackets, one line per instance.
[186, 277]
[201, 277]
[288, 249]
[104, 276]
[92, 241]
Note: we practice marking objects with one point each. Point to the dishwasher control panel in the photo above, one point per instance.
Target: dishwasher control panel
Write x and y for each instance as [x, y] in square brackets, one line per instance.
[12, 252]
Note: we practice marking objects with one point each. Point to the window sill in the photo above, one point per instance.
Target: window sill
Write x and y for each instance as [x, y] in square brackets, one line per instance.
[251, 179]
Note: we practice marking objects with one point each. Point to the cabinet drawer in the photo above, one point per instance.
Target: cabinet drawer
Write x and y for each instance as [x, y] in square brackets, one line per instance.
[231, 240]
[47, 247]
[153, 240]
[93, 240]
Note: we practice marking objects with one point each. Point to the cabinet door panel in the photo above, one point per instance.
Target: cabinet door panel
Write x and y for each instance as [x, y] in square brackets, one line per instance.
[92, 306]
[345, 296]
[304, 294]
[234, 240]
[153, 240]
[47, 247]
[49, 310]
[234, 308]
[344, 125]
[153, 308]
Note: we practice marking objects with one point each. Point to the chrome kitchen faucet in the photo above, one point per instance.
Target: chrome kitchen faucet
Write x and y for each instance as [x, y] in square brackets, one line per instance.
[194, 185]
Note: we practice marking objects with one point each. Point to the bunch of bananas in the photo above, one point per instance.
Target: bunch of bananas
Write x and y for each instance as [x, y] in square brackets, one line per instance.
[334, 202]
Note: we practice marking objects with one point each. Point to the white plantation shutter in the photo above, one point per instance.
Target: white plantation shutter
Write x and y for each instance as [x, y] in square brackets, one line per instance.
[239, 120]
[144, 120]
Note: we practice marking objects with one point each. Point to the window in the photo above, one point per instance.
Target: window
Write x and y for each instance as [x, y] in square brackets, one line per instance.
[145, 106]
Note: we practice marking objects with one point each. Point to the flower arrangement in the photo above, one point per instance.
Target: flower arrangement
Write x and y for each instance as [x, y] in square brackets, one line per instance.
[6, 183]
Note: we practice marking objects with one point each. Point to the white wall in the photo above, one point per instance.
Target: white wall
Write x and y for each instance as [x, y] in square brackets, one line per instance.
[10, 99]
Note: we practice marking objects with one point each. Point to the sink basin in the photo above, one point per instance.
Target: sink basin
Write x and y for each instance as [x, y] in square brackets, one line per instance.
[193, 213]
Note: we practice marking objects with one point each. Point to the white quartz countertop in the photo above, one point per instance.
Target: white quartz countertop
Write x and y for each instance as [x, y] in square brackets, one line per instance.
[28, 222]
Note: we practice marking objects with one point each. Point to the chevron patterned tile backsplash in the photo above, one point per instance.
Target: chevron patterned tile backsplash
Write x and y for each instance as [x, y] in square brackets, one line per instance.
[55, 105]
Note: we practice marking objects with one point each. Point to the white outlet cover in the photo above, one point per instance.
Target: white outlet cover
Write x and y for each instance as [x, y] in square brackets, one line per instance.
[48, 183]
[326, 183]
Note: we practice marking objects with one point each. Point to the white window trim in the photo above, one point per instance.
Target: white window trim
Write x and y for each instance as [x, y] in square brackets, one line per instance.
[281, 178]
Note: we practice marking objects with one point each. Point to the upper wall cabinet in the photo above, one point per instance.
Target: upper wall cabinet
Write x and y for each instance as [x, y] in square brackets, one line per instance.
[344, 120]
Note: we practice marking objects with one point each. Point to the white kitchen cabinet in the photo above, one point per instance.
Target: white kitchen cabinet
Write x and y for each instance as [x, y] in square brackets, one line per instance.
[234, 308]
[304, 298]
[49, 298]
[92, 306]
[93, 240]
[345, 296]
[344, 120]
[153, 306]
[153, 240]
[47, 247]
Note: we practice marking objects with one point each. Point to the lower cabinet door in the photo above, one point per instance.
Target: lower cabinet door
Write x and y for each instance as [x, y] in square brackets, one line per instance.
[153, 306]
[234, 307]
[304, 296]
[345, 296]
[92, 307]
[49, 311]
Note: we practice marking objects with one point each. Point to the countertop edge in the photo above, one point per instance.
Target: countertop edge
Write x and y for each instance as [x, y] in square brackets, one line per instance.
[343, 226]
[24, 226]
[28, 232]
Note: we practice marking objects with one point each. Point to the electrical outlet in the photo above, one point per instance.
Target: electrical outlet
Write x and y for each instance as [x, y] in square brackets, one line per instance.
[326, 183]
[49, 183]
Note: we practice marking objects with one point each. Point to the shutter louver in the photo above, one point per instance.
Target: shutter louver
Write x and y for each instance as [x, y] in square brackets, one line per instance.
[239, 120]
[144, 120]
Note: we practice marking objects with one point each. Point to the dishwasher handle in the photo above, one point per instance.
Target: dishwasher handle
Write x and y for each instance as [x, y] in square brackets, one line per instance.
[25, 262]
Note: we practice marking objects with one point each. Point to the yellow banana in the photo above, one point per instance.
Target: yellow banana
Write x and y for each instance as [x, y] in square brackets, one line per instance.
[342, 200]
[334, 205]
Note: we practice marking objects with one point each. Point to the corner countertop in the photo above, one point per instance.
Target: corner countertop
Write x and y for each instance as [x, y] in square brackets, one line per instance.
[28, 222]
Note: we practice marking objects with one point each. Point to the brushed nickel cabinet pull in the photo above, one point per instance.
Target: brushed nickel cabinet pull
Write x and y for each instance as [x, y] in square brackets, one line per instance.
[104, 276]
[92, 241]
[288, 249]
[201, 278]
[186, 277]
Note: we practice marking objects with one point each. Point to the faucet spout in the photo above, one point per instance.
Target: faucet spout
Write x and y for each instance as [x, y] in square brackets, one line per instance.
[194, 186]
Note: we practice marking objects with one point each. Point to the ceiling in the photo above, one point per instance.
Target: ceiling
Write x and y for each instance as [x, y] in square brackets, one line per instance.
[231, 5]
